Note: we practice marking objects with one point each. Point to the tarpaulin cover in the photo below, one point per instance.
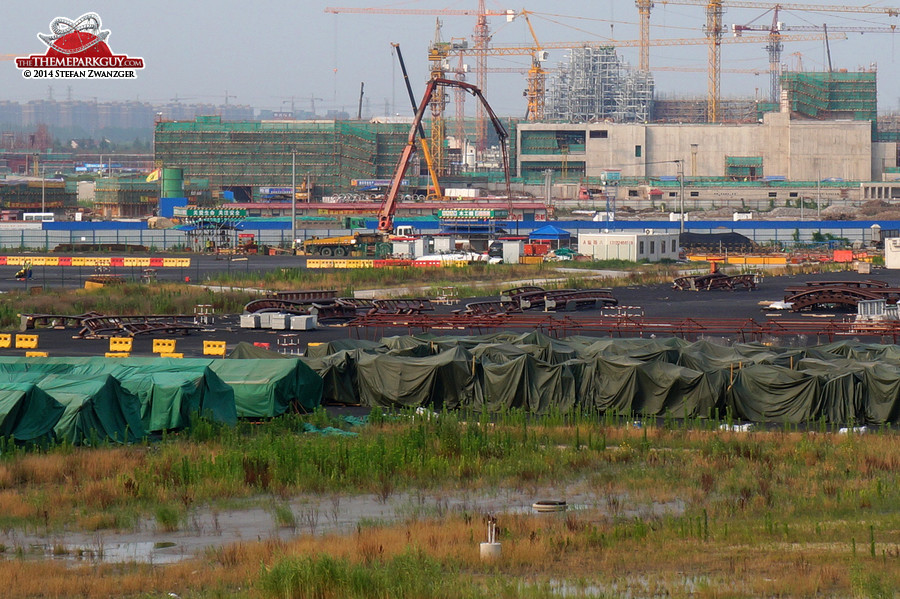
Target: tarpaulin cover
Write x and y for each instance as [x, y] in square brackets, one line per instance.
[764, 393]
[170, 390]
[96, 407]
[269, 388]
[844, 382]
[441, 381]
[27, 413]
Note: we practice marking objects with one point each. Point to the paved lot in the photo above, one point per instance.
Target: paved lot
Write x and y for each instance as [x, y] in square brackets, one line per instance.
[658, 301]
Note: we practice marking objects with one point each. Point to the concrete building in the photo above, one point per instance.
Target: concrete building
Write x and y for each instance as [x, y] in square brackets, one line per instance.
[777, 148]
[634, 247]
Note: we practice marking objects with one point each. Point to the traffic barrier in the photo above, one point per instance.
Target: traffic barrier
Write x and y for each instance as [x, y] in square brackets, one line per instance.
[26, 341]
[118, 354]
[156, 262]
[2, 260]
[132, 262]
[65, 261]
[171, 355]
[5, 340]
[343, 264]
[214, 348]
[36, 354]
[117, 261]
[77, 261]
[170, 262]
[261, 344]
[121, 344]
[15, 260]
[163, 346]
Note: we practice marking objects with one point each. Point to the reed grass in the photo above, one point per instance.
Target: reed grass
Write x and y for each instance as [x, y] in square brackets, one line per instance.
[689, 510]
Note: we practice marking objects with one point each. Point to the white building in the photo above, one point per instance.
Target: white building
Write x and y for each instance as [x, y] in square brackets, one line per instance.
[634, 247]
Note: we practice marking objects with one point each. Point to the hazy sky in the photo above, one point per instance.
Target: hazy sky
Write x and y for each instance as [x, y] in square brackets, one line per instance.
[265, 52]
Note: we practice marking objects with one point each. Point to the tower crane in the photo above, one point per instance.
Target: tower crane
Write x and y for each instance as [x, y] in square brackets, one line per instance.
[512, 50]
[774, 47]
[481, 38]
[714, 30]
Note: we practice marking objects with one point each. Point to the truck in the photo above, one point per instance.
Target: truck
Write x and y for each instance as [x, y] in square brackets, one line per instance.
[376, 243]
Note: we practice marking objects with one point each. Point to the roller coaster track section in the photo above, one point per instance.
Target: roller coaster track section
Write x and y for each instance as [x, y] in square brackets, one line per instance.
[743, 330]
[717, 280]
[843, 295]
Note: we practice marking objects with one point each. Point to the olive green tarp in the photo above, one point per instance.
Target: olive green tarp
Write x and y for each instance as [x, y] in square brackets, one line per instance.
[170, 390]
[440, 381]
[268, 388]
[97, 409]
[27, 412]
[650, 377]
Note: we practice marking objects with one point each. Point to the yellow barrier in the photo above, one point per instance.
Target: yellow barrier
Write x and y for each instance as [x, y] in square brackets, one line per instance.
[170, 262]
[171, 355]
[183, 262]
[36, 354]
[26, 341]
[78, 261]
[132, 262]
[120, 344]
[5, 340]
[16, 260]
[343, 263]
[214, 348]
[163, 346]
[118, 354]
[366, 263]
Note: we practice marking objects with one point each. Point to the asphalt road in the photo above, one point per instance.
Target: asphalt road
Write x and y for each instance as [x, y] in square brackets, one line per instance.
[202, 267]
[658, 301]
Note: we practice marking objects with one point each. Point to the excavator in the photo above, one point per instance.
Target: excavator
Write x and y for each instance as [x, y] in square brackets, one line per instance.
[367, 243]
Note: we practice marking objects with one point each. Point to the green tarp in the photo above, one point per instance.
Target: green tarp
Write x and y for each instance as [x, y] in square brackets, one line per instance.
[838, 383]
[268, 388]
[27, 413]
[97, 409]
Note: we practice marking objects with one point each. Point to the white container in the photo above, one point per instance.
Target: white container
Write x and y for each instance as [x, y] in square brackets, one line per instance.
[304, 323]
[265, 320]
[279, 322]
[490, 551]
[249, 321]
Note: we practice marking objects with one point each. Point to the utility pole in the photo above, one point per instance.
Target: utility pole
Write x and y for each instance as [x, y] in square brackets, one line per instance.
[680, 164]
[293, 201]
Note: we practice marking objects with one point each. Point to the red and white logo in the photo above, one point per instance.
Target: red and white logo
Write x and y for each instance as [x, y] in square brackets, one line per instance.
[77, 49]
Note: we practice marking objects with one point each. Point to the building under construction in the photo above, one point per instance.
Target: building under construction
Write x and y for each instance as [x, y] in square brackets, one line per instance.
[831, 95]
[135, 197]
[246, 157]
[594, 85]
[809, 95]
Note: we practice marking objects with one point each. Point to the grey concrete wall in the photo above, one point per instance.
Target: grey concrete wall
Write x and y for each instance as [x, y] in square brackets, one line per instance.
[798, 150]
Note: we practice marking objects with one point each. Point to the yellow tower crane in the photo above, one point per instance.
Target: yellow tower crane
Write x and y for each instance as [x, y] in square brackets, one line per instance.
[714, 30]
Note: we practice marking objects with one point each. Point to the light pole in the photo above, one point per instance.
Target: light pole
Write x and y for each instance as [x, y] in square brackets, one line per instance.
[293, 201]
[680, 164]
[43, 189]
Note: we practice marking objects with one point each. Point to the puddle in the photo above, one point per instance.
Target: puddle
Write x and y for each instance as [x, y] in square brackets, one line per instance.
[206, 528]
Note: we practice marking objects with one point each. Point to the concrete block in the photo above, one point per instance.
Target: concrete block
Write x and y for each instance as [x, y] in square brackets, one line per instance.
[303, 323]
[280, 321]
[265, 320]
[249, 321]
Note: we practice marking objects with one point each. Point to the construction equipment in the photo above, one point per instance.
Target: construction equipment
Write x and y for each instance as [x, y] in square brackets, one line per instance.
[714, 30]
[774, 47]
[373, 241]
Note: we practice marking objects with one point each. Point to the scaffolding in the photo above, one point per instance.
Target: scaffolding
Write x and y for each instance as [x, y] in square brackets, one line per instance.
[243, 156]
[694, 110]
[594, 84]
[130, 196]
[831, 95]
